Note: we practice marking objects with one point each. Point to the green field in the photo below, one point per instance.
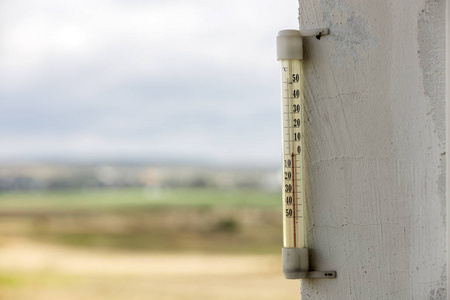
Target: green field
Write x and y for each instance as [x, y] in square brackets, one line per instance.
[131, 243]
[138, 198]
[174, 220]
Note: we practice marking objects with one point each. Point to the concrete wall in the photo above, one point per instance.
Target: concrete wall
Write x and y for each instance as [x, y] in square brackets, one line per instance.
[376, 160]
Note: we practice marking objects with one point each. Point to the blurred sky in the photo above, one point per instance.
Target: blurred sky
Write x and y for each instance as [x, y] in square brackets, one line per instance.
[175, 81]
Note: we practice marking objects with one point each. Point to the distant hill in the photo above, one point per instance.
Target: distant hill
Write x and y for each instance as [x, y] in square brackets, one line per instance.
[48, 176]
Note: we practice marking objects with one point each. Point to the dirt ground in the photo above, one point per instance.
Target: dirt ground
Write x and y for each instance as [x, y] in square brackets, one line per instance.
[31, 270]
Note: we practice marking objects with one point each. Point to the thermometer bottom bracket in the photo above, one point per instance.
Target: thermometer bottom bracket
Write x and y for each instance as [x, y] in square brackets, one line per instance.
[296, 265]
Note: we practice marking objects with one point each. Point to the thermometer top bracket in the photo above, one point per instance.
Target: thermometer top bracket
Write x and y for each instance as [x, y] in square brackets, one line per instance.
[289, 42]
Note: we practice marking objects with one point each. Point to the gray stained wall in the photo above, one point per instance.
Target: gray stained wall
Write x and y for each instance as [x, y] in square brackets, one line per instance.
[375, 133]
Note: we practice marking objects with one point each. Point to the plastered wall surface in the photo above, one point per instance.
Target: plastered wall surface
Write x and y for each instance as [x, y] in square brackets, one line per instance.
[375, 125]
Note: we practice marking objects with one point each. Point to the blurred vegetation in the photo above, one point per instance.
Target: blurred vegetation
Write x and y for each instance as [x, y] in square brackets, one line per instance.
[49, 228]
[138, 219]
[94, 199]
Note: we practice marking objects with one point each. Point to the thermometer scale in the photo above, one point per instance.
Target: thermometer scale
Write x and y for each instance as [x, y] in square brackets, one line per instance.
[293, 191]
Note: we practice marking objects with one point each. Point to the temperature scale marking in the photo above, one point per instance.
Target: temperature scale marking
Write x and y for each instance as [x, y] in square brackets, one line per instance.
[293, 222]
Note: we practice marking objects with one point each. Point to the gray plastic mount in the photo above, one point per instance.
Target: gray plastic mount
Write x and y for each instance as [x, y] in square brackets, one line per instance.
[290, 43]
[296, 265]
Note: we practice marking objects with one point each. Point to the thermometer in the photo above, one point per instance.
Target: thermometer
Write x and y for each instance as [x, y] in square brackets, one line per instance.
[295, 251]
[293, 183]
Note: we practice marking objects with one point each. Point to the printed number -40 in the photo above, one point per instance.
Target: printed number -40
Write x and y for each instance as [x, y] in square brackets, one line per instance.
[289, 200]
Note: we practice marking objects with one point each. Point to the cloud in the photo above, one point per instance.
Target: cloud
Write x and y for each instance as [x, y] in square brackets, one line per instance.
[122, 78]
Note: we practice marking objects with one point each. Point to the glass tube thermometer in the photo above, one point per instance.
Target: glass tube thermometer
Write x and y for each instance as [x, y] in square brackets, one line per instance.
[295, 251]
[293, 191]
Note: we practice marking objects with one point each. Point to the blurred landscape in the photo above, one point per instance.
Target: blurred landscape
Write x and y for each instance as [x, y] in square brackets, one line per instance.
[140, 232]
[140, 150]
[33, 177]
